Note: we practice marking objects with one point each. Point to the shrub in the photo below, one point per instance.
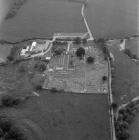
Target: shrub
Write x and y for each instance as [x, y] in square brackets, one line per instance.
[10, 58]
[15, 134]
[22, 69]
[84, 41]
[100, 41]
[90, 59]
[114, 106]
[77, 40]
[123, 136]
[80, 52]
[134, 56]
[104, 78]
[53, 90]
[38, 87]
[8, 101]
[16, 101]
[5, 124]
[58, 52]
[1, 133]
[128, 52]
[40, 67]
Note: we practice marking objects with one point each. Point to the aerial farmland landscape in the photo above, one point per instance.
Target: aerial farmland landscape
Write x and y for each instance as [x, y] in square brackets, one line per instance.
[69, 70]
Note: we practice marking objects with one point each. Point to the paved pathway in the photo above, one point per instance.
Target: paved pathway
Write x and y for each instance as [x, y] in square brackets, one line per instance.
[85, 21]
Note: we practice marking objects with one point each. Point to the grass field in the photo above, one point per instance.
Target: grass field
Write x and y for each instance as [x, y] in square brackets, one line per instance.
[61, 116]
[134, 129]
[4, 51]
[43, 18]
[133, 45]
[12, 80]
[109, 18]
[126, 78]
[113, 18]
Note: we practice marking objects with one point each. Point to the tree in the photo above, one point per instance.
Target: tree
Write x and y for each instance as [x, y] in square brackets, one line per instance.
[40, 66]
[10, 58]
[84, 41]
[80, 52]
[58, 52]
[15, 134]
[1, 133]
[128, 52]
[114, 106]
[77, 40]
[100, 41]
[22, 69]
[104, 78]
[123, 136]
[134, 56]
[38, 87]
[5, 124]
[7, 101]
[53, 90]
[90, 59]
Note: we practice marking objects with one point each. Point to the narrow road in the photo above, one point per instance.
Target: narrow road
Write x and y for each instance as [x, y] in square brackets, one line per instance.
[113, 133]
[85, 21]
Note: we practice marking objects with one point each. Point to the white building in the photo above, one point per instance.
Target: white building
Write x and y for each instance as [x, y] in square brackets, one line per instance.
[48, 58]
[122, 45]
[59, 68]
[23, 51]
[33, 45]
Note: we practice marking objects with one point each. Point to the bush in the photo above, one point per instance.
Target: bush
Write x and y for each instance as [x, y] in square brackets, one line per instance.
[13, 11]
[77, 40]
[100, 41]
[80, 52]
[104, 78]
[1, 133]
[22, 69]
[128, 52]
[84, 41]
[114, 106]
[15, 134]
[40, 66]
[90, 59]
[123, 136]
[54, 90]
[10, 58]
[38, 87]
[134, 56]
[8, 101]
[5, 124]
[16, 101]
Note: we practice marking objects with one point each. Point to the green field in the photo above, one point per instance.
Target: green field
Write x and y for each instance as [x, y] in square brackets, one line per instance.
[133, 46]
[4, 51]
[109, 18]
[43, 18]
[113, 18]
[125, 83]
[61, 116]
